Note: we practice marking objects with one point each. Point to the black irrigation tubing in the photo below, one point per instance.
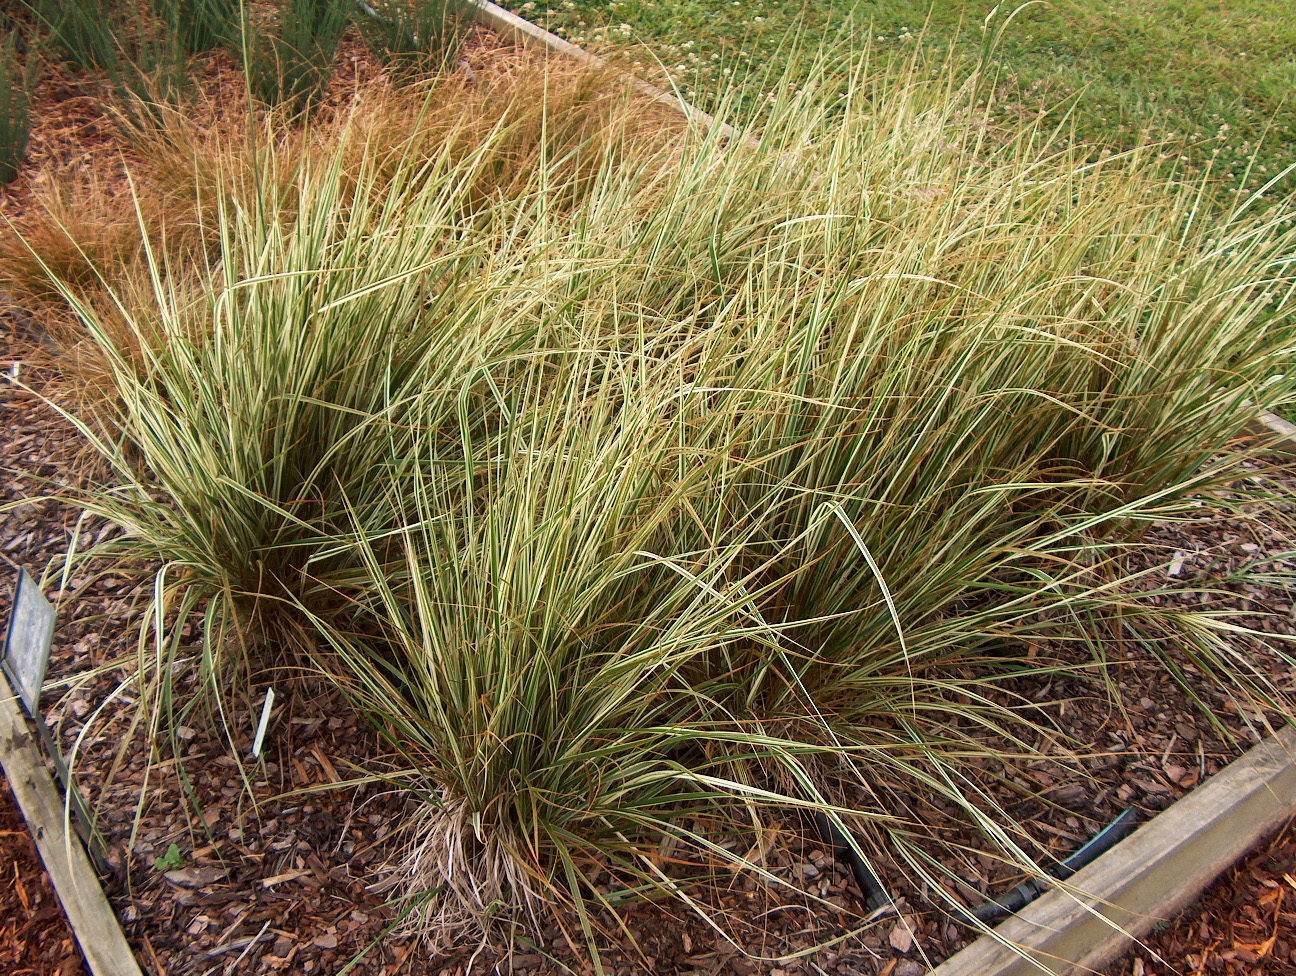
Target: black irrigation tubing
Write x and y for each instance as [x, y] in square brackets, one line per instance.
[844, 849]
[1026, 892]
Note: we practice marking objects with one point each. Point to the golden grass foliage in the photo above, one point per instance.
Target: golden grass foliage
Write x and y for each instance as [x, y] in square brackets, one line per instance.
[637, 483]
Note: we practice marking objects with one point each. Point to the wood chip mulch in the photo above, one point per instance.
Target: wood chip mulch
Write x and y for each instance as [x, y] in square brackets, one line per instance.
[34, 936]
[1244, 925]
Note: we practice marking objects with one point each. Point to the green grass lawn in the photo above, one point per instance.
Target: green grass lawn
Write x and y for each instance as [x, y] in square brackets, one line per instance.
[1214, 81]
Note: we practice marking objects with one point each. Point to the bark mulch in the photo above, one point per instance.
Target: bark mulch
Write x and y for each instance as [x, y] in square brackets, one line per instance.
[35, 939]
[1244, 925]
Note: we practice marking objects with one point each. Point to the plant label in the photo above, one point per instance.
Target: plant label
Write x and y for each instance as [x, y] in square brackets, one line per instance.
[261, 726]
[27, 645]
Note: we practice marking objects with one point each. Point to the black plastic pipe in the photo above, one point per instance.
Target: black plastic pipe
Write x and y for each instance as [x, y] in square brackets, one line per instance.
[993, 910]
[1026, 892]
[874, 895]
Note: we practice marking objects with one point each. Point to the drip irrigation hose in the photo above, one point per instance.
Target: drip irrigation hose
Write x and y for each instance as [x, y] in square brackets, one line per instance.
[845, 850]
[991, 911]
[1026, 892]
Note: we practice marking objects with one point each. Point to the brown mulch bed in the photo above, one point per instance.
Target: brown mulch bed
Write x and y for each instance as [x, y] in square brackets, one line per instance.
[35, 939]
[270, 878]
[1243, 925]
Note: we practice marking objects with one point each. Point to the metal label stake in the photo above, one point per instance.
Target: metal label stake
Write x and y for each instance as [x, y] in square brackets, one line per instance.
[27, 644]
[26, 656]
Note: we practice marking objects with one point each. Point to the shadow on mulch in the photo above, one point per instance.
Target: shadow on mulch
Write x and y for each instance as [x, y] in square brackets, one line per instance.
[34, 936]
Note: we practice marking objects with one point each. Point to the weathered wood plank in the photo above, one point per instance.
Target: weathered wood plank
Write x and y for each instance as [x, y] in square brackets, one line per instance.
[1149, 876]
[1274, 428]
[93, 921]
[529, 35]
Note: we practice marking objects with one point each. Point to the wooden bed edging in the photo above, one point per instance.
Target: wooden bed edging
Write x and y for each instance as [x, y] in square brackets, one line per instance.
[90, 917]
[529, 35]
[1270, 425]
[1148, 877]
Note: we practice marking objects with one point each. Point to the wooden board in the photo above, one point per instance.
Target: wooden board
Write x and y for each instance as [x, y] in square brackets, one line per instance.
[1273, 428]
[529, 35]
[92, 919]
[1148, 877]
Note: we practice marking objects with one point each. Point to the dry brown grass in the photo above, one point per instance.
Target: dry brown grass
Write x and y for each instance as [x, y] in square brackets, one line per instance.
[92, 230]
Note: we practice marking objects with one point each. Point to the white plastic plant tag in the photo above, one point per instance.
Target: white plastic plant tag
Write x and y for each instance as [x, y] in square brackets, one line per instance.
[27, 645]
[261, 726]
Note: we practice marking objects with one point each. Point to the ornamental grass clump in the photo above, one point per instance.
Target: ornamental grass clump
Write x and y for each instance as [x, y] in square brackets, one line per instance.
[286, 414]
[413, 36]
[290, 63]
[665, 485]
[15, 109]
[84, 33]
[201, 25]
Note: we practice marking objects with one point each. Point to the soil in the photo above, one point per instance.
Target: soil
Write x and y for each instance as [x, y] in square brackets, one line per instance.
[277, 866]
